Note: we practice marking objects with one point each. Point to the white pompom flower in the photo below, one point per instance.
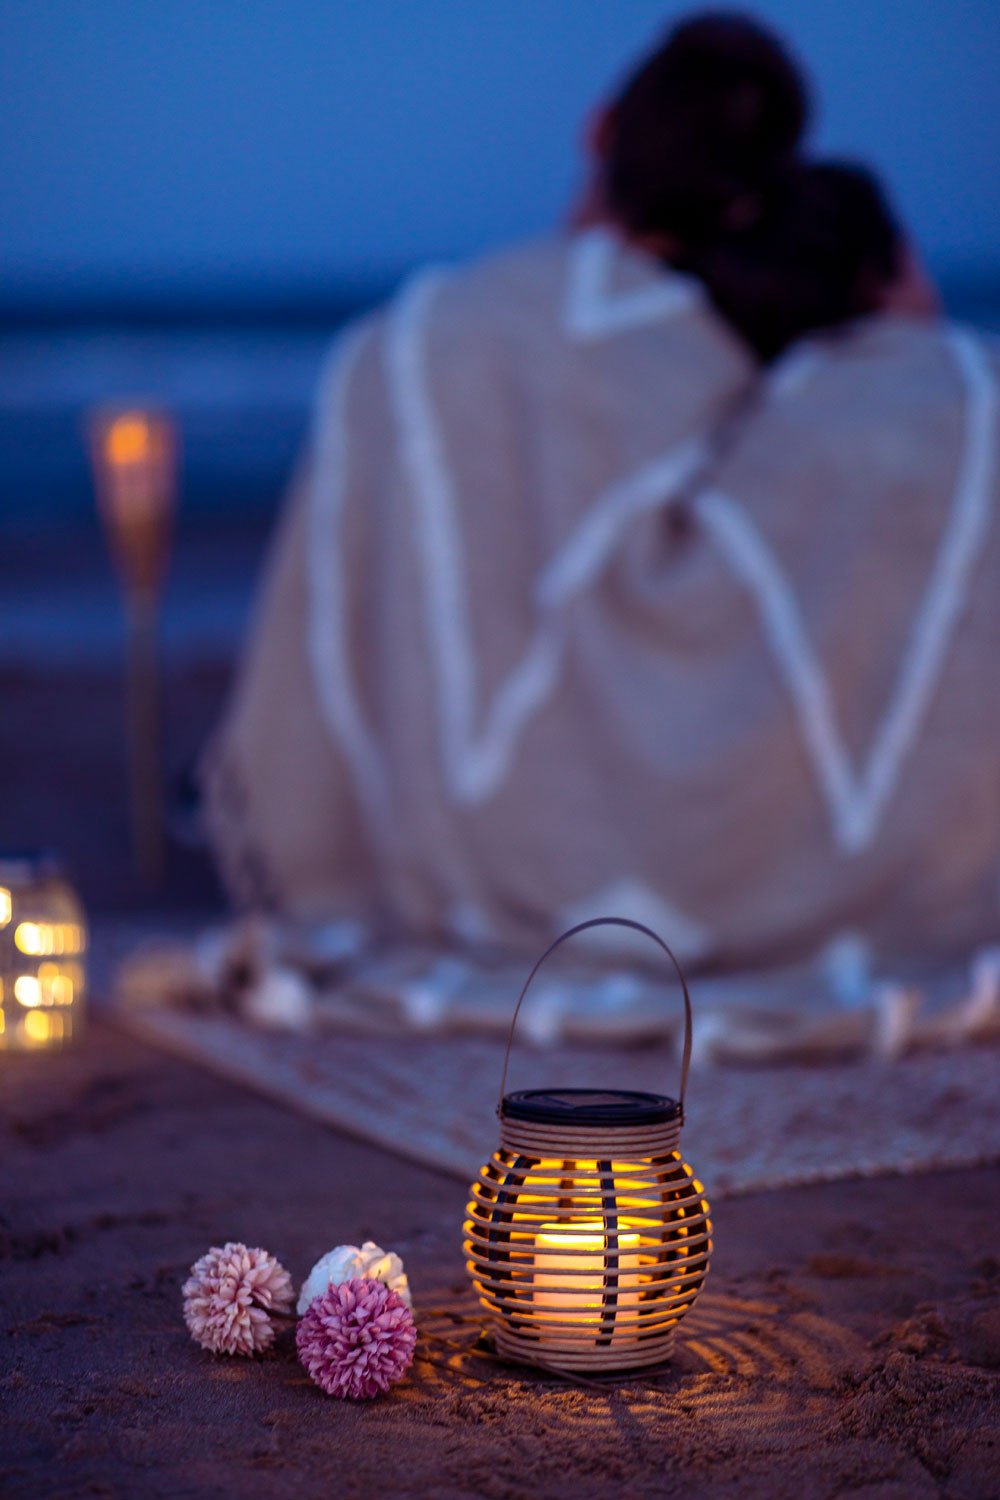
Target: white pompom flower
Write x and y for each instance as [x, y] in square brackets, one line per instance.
[368, 1261]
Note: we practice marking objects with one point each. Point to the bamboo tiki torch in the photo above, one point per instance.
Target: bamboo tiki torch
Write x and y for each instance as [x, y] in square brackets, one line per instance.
[134, 456]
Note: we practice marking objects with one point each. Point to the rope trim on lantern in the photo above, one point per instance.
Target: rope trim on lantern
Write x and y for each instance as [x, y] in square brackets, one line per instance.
[642, 1142]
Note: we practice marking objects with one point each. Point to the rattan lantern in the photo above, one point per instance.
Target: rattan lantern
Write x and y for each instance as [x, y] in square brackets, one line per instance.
[43, 938]
[588, 1238]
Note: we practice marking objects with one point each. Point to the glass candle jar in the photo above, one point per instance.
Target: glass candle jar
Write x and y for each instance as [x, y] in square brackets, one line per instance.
[43, 940]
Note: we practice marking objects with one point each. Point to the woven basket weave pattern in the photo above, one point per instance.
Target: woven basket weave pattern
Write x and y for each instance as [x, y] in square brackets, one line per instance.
[587, 1247]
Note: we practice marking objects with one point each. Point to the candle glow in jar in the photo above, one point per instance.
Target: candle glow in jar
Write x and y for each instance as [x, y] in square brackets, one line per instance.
[43, 940]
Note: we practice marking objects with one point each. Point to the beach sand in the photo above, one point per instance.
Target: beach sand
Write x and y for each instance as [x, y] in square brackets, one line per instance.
[847, 1342]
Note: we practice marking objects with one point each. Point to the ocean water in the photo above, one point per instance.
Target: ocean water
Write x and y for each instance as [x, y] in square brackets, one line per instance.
[240, 390]
[241, 393]
[240, 396]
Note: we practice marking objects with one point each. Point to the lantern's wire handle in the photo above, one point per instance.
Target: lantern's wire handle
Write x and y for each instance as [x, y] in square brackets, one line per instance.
[572, 932]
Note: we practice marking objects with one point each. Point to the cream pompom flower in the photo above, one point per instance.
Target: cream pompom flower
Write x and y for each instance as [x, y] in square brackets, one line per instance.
[229, 1296]
[368, 1261]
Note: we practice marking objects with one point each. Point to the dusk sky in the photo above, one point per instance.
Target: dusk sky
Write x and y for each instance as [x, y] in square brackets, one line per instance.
[262, 143]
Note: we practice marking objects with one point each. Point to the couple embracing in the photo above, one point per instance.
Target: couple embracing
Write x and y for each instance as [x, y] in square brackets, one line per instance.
[651, 567]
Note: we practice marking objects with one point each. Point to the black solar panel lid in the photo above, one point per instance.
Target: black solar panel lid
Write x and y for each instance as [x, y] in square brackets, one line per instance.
[614, 1107]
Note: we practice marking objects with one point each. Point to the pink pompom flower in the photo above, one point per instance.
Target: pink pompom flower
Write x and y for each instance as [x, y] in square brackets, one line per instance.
[357, 1338]
[229, 1295]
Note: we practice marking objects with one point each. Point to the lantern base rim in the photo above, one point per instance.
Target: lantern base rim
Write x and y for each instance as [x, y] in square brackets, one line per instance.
[553, 1356]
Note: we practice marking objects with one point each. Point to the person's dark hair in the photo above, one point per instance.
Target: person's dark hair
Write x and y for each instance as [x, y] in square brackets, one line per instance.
[823, 250]
[700, 131]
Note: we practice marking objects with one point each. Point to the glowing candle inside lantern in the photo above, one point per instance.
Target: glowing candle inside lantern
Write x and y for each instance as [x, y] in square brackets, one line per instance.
[575, 1269]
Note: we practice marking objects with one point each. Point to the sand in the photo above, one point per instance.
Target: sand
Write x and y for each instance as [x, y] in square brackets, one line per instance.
[848, 1341]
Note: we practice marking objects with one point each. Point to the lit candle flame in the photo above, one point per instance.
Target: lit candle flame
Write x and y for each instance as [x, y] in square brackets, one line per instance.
[571, 1267]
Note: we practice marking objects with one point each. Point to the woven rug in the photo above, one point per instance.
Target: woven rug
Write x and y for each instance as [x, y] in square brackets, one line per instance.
[432, 1099]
